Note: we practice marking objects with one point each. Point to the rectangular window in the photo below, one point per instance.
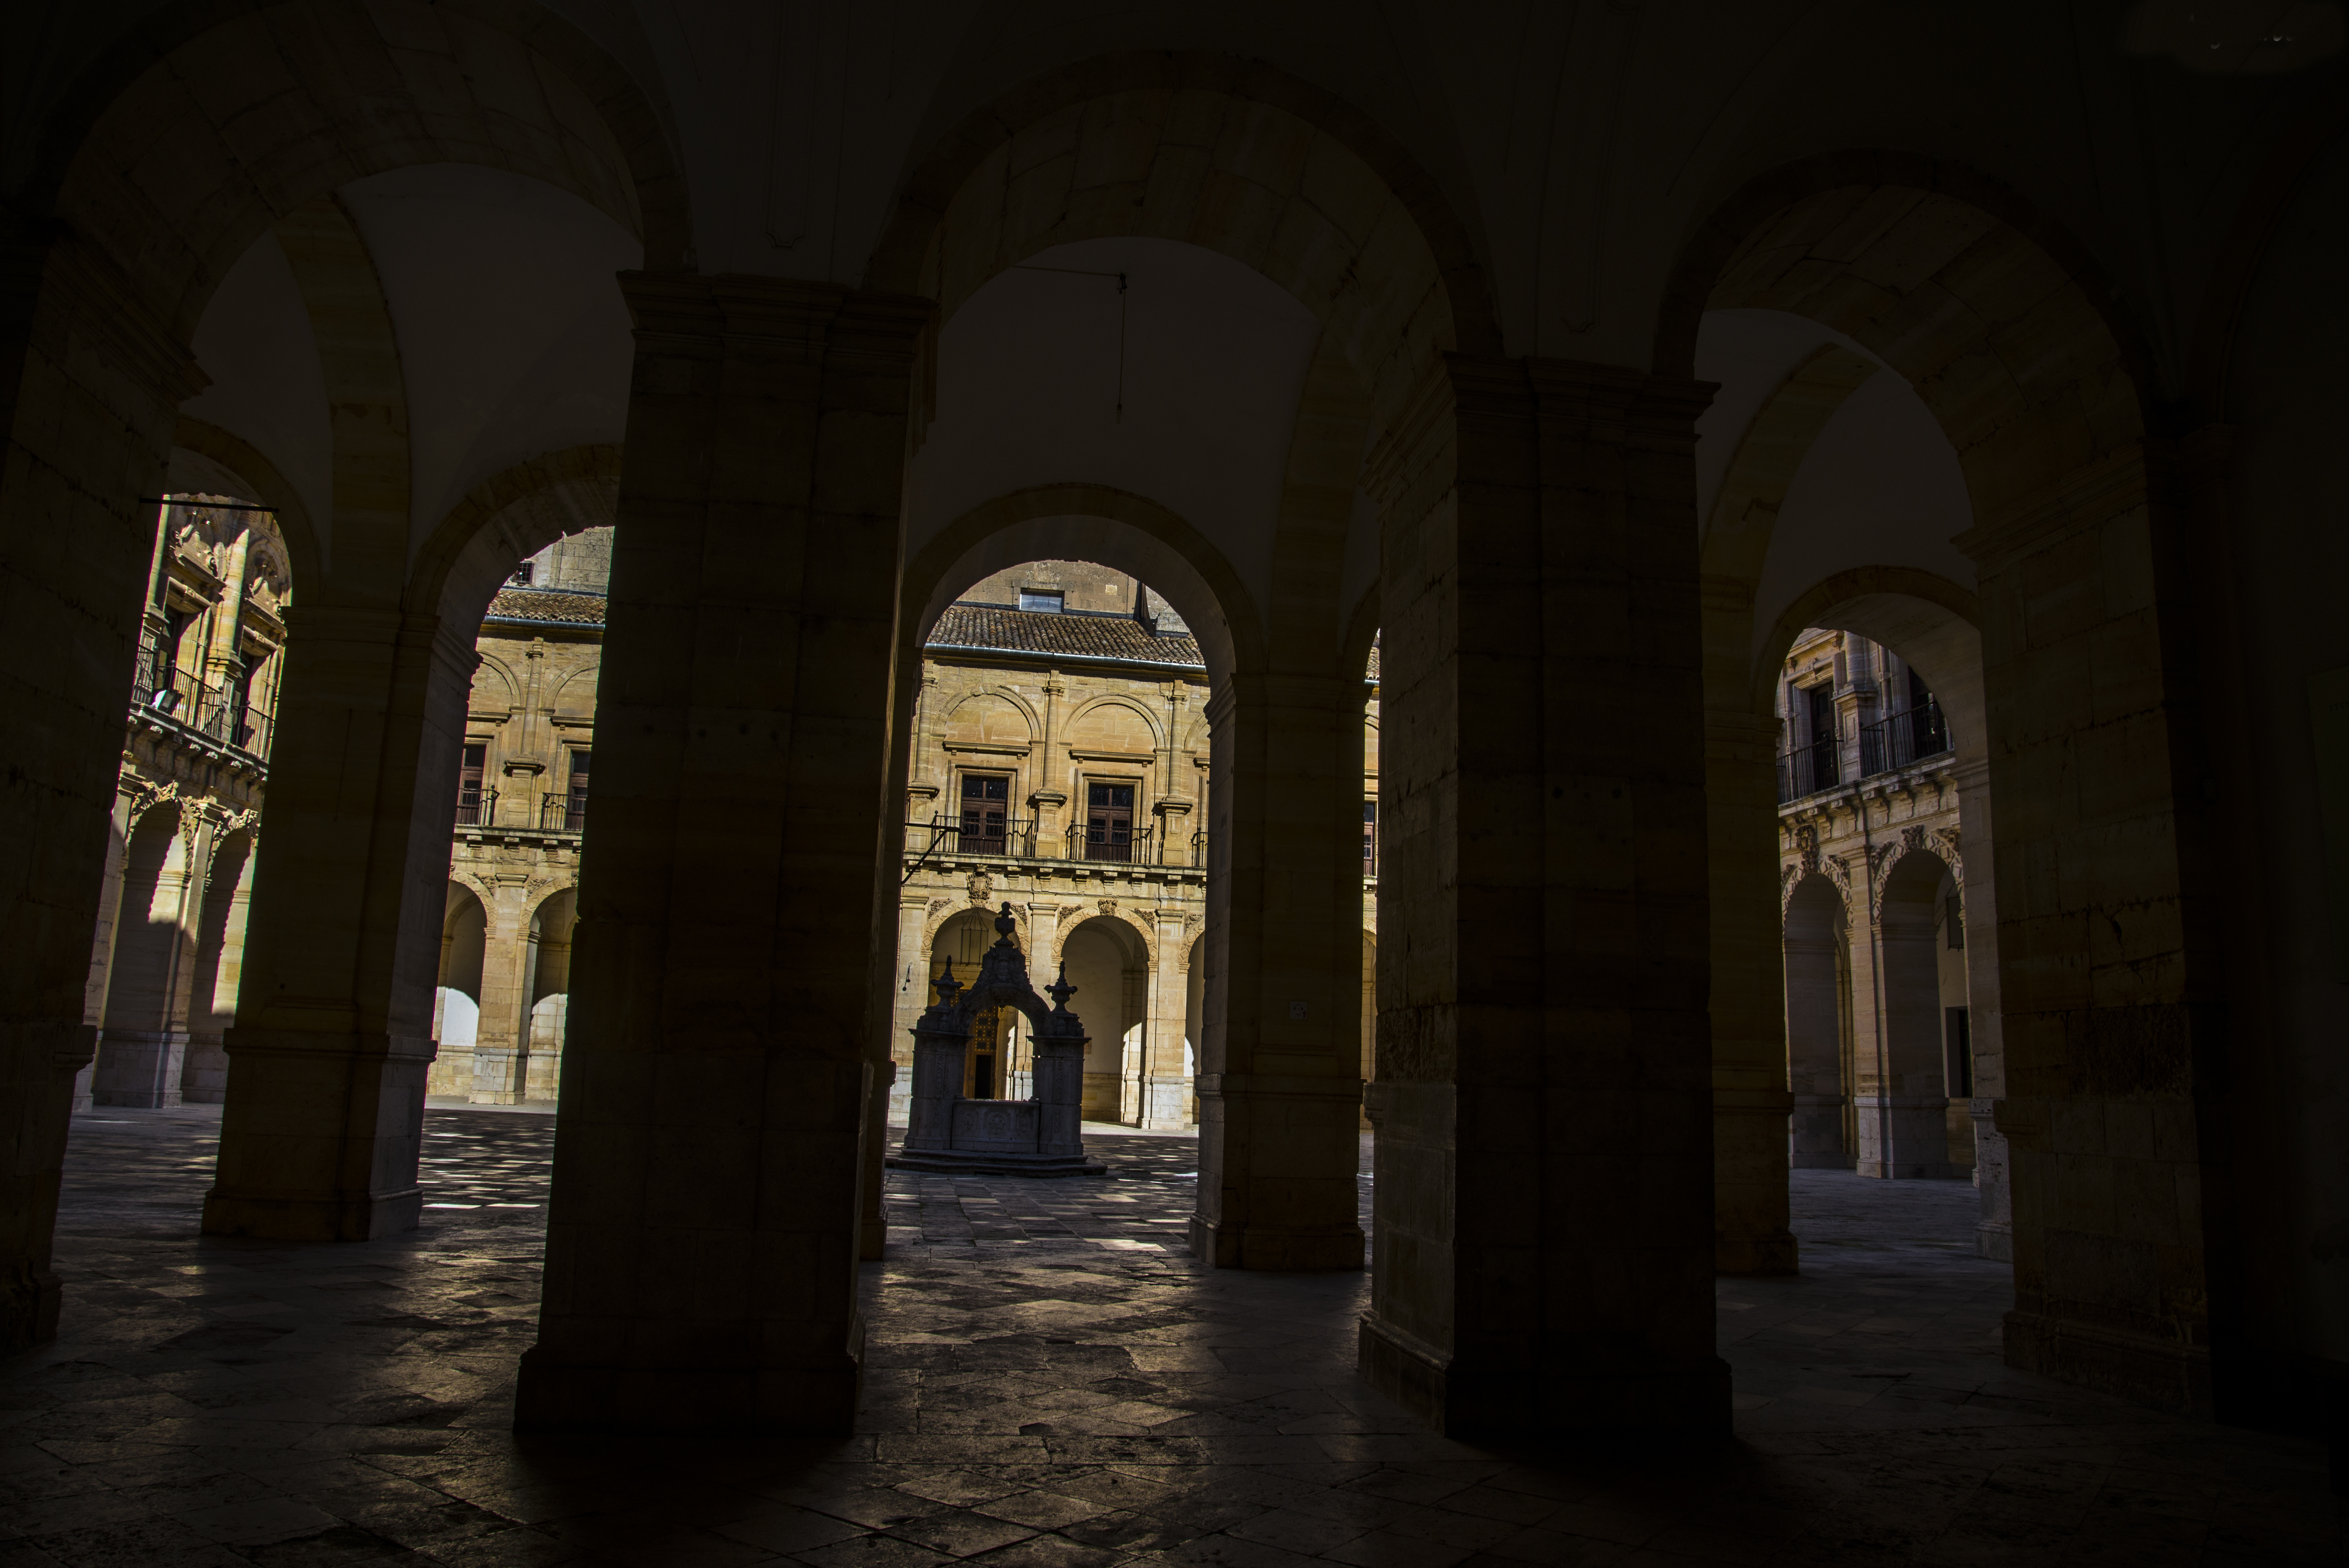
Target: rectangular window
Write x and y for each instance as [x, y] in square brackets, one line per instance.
[523, 574]
[473, 798]
[1370, 838]
[1109, 821]
[986, 810]
[574, 804]
[1957, 1044]
[1817, 764]
[1049, 603]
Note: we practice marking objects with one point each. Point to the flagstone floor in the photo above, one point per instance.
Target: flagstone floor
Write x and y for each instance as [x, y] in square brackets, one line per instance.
[1053, 1384]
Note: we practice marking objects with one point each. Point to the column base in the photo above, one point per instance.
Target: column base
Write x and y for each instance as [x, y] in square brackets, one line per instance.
[1994, 1241]
[1607, 1397]
[1914, 1170]
[953, 1162]
[266, 1217]
[818, 1400]
[1269, 1247]
[139, 1070]
[2162, 1374]
[1755, 1252]
[28, 1311]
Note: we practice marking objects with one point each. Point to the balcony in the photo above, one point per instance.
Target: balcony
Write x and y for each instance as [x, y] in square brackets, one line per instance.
[557, 814]
[1890, 744]
[940, 842]
[179, 702]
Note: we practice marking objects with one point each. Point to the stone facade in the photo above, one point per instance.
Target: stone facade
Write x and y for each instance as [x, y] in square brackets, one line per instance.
[1061, 762]
[169, 943]
[1881, 1055]
[504, 987]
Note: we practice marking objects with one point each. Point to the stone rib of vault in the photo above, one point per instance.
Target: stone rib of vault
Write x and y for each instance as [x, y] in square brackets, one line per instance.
[951, 1136]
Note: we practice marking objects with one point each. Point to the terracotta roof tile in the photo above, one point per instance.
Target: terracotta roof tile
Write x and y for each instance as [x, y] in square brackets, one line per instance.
[539, 604]
[1043, 632]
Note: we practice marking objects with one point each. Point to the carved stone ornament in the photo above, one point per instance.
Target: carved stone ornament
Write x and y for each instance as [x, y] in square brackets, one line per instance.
[1108, 906]
[982, 888]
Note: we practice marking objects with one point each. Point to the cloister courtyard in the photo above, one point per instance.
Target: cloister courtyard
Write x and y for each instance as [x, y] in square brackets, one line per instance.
[1052, 1381]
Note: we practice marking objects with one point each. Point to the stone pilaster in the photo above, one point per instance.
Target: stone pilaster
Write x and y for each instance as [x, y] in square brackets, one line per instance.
[1543, 1102]
[332, 1046]
[1166, 1091]
[703, 1234]
[509, 969]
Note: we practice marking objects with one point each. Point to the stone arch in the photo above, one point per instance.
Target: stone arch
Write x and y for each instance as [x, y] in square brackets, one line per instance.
[938, 919]
[2000, 320]
[328, 95]
[1150, 721]
[1744, 514]
[1928, 620]
[995, 692]
[507, 518]
[1210, 150]
[1089, 522]
[583, 679]
[1938, 845]
[494, 666]
[261, 483]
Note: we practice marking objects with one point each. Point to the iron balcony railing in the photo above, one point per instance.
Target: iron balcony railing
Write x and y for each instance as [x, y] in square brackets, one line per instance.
[1118, 843]
[161, 689]
[559, 814]
[1886, 746]
[942, 838]
[476, 807]
[1903, 740]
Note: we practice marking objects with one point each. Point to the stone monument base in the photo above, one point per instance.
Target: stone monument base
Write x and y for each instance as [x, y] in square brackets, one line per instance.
[962, 1163]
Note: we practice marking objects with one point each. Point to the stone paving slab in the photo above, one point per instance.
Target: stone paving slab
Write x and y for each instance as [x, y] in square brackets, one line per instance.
[1052, 1382]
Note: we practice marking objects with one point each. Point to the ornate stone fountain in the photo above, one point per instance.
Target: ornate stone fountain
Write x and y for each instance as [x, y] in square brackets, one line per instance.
[949, 1135]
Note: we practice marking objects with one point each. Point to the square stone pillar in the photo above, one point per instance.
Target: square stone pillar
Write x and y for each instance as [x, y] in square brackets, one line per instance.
[703, 1232]
[2109, 937]
[1280, 1075]
[1166, 1090]
[508, 971]
[1544, 1105]
[332, 1046]
[1751, 1098]
[142, 1047]
[1985, 1024]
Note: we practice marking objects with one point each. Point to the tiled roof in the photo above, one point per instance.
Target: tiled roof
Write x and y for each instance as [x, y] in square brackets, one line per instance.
[1043, 632]
[539, 604]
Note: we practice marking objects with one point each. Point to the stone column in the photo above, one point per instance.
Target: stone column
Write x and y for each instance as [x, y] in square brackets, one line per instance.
[1750, 1101]
[509, 967]
[1165, 1092]
[1044, 962]
[101, 954]
[142, 1051]
[2111, 986]
[910, 993]
[1279, 1081]
[1544, 1106]
[333, 1041]
[703, 1234]
[1995, 1235]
